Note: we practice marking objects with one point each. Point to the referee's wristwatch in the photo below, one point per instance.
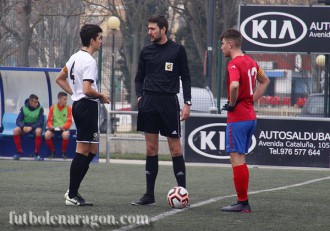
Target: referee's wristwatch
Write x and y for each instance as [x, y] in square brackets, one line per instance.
[188, 102]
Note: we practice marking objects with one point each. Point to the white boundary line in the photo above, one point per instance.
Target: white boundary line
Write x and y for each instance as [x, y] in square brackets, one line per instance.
[215, 199]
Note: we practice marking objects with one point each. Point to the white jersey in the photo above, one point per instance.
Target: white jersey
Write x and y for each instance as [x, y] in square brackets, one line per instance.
[81, 66]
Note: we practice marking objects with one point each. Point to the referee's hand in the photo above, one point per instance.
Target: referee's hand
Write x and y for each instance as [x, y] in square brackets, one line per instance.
[185, 112]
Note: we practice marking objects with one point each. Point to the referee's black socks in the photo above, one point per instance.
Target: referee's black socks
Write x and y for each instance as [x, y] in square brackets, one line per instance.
[151, 173]
[179, 169]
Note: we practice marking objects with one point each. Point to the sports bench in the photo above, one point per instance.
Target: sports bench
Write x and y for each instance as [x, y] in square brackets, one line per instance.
[8, 149]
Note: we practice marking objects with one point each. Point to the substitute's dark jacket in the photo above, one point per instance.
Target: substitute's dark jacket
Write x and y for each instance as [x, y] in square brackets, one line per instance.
[160, 68]
[20, 118]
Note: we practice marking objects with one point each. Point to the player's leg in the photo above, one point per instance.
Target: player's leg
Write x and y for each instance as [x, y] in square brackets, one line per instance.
[148, 122]
[151, 169]
[65, 142]
[92, 150]
[171, 128]
[238, 135]
[77, 168]
[49, 143]
[178, 161]
[38, 140]
[17, 140]
[86, 118]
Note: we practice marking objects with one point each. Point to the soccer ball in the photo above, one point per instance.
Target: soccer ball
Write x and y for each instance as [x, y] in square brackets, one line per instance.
[178, 197]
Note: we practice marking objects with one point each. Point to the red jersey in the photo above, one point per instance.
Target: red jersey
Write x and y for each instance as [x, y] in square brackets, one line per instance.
[244, 70]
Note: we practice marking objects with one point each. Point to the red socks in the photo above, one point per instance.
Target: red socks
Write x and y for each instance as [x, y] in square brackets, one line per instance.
[241, 181]
[38, 143]
[17, 141]
[50, 145]
[64, 145]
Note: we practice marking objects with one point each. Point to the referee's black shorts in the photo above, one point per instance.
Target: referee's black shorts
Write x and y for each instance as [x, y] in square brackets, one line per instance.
[159, 114]
[85, 115]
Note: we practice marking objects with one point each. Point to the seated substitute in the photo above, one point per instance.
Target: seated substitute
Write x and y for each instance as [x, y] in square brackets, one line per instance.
[30, 120]
[59, 122]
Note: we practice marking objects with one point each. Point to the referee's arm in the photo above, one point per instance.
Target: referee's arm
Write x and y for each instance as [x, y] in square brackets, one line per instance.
[185, 74]
[140, 75]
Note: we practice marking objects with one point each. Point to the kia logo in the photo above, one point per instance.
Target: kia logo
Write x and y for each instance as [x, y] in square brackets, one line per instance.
[209, 141]
[273, 29]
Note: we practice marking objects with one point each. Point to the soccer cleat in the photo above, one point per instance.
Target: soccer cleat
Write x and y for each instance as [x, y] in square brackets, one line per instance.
[64, 155]
[66, 194]
[238, 207]
[145, 200]
[52, 155]
[77, 201]
[17, 156]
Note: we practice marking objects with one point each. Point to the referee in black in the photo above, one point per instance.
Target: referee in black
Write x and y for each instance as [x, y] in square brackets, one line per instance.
[161, 66]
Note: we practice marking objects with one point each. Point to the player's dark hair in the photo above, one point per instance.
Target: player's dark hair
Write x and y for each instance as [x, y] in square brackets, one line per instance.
[33, 96]
[88, 32]
[61, 94]
[232, 34]
[160, 20]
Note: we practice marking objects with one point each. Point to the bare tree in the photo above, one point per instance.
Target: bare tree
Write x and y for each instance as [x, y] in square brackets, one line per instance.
[195, 14]
[22, 32]
[5, 36]
[39, 33]
[58, 32]
[133, 16]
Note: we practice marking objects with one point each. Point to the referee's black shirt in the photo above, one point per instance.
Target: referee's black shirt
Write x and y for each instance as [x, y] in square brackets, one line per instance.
[160, 68]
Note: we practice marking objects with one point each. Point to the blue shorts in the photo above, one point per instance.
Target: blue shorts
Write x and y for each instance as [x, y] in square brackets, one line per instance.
[239, 136]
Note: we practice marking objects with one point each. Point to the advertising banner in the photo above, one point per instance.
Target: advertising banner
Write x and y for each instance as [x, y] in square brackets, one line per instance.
[285, 28]
[277, 142]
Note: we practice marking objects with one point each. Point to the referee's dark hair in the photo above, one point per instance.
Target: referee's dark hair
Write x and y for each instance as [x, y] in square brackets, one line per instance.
[88, 32]
[160, 20]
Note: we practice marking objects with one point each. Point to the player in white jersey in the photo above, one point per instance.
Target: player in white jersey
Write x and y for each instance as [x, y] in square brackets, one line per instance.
[78, 77]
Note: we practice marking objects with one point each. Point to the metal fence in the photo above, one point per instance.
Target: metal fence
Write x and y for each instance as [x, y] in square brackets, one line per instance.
[294, 79]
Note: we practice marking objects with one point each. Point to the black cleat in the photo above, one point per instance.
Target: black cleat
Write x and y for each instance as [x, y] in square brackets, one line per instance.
[145, 200]
[238, 207]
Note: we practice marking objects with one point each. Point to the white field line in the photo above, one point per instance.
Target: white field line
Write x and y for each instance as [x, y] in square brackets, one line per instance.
[215, 199]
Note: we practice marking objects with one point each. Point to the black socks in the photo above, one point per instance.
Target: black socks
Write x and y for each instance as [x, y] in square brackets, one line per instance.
[78, 170]
[90, 159]
[179, 169]
[151, 173]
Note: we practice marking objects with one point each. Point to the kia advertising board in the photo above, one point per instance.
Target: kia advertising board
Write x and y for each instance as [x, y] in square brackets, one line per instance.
[285, 28]
[280, 142]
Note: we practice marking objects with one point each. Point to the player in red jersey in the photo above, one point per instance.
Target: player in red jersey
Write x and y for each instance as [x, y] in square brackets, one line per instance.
[247, 82]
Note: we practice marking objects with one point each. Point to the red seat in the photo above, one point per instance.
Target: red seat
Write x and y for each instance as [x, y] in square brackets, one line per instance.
[263, 100]
[286, 101]
[275, 100]
[301, 101]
